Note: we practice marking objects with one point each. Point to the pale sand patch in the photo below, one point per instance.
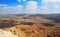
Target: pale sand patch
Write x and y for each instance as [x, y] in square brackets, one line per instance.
[4, 33]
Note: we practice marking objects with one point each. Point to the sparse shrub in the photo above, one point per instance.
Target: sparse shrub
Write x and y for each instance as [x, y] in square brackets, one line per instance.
[6, 23]
[3, 25]
[27, 23]
[24, 18]
[47, 24]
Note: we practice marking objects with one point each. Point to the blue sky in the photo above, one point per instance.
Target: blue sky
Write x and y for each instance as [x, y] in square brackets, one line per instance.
[29, 6]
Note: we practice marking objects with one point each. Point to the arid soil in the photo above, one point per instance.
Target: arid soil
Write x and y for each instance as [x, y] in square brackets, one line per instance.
[36, 27]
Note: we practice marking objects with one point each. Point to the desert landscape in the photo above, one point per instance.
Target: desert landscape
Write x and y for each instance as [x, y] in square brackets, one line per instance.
[25, 25]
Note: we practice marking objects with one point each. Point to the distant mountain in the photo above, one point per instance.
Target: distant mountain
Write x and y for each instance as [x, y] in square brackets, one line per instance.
[55, 17]
[20, 14]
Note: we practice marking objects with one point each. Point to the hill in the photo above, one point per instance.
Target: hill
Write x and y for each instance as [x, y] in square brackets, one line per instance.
[29, 26]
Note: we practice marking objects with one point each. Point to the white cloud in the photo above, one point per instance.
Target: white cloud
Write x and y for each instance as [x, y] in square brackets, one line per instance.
[32, 5]
[21, 0]
[3, 6]
[31, 8]
[5, 9]
[48, 1]
[49, 6]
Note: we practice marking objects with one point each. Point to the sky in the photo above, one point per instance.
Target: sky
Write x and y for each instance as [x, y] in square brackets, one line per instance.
[29, 6]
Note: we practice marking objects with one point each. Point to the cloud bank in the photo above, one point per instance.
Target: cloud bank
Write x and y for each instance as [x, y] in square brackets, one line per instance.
[31, 8]
[47, 7]
[5, 9]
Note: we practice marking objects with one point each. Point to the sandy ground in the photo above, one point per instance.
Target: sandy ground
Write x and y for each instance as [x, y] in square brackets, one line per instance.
[4, 33]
